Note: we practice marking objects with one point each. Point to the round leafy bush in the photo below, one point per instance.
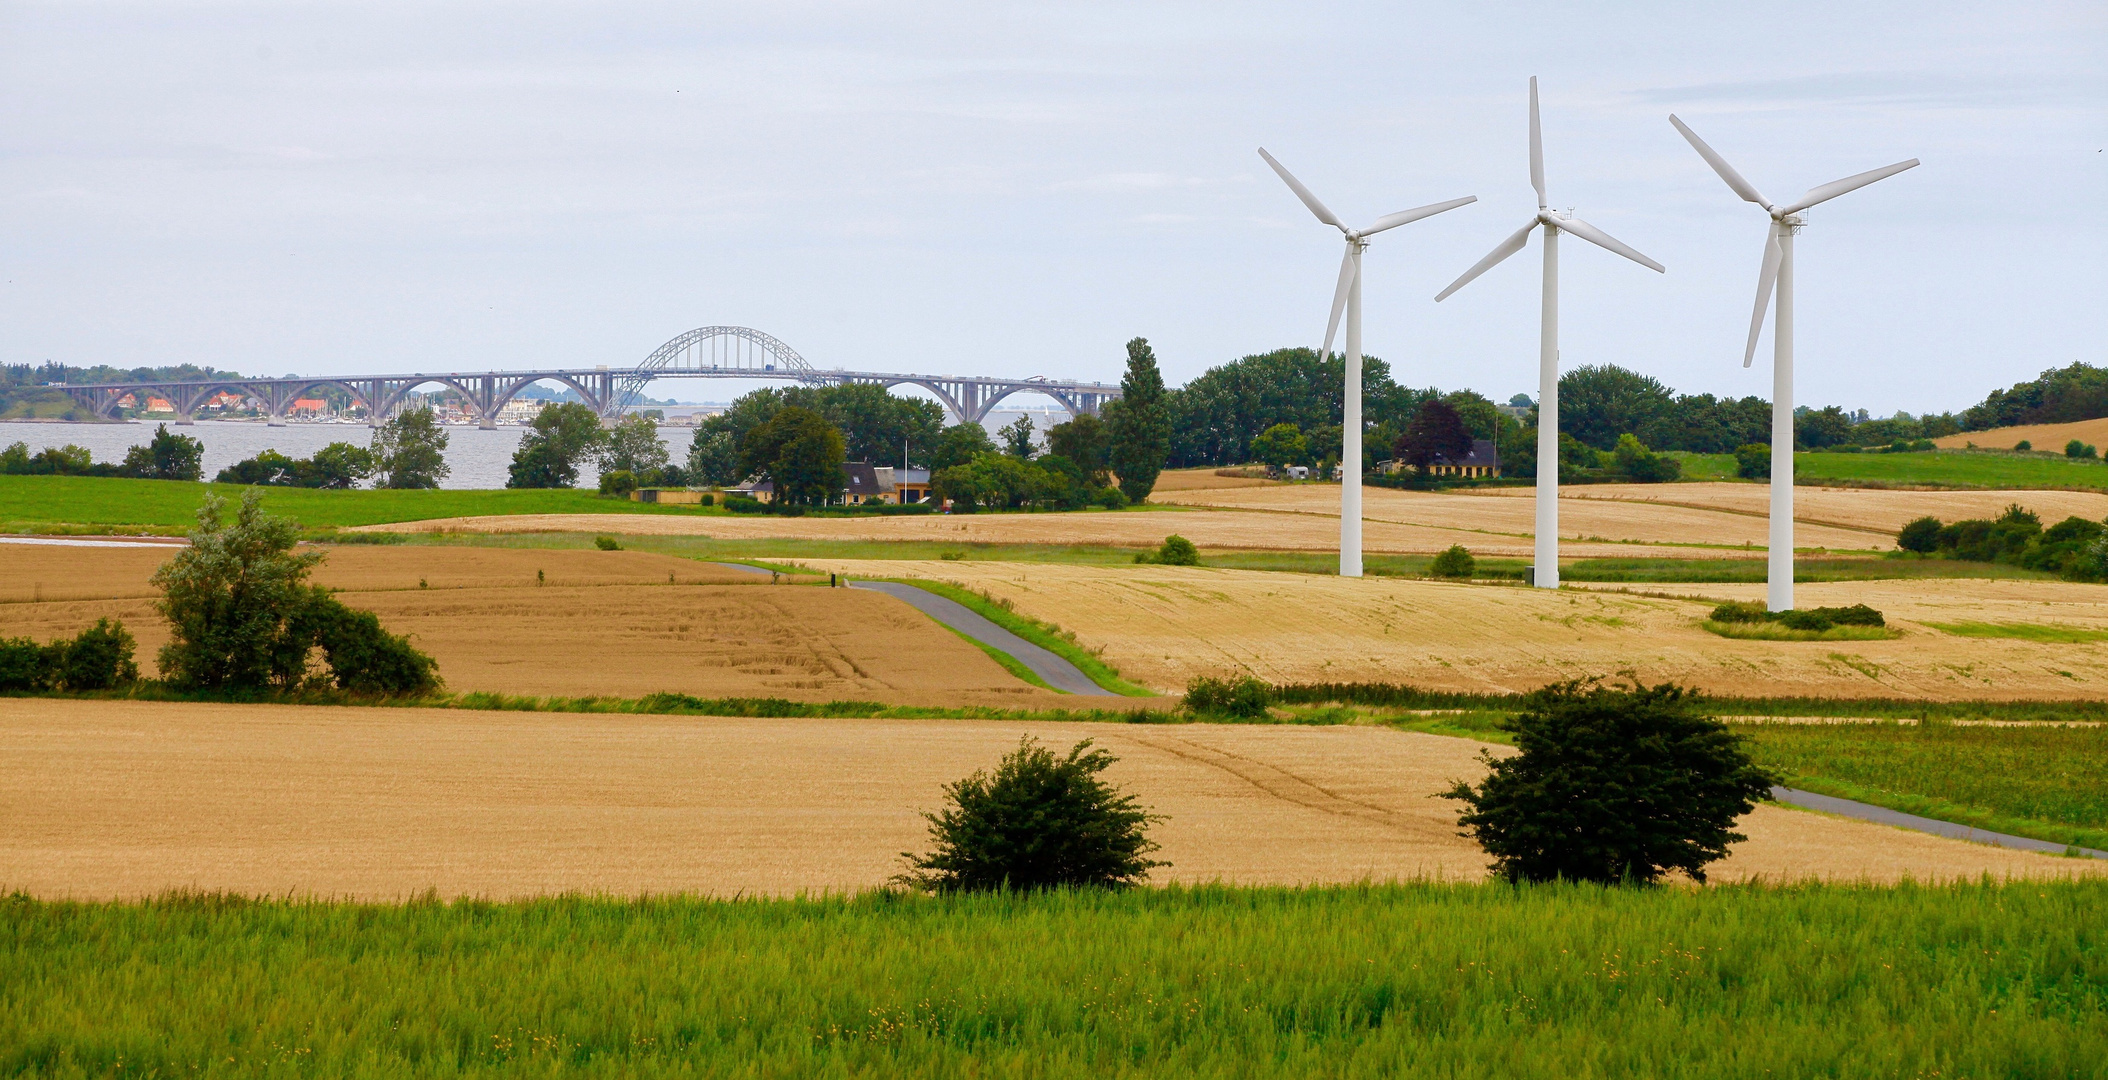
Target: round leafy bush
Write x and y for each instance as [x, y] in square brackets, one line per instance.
[1040, 822]
[618, 482]
[1612, 784]
[98, 658]
[606, 543]
[1922, 536]
[1753, 461]
[1243, 698]
[1178, 551]
[1455, 562]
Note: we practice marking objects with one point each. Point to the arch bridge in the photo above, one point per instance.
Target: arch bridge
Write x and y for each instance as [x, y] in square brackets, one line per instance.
[709, 352]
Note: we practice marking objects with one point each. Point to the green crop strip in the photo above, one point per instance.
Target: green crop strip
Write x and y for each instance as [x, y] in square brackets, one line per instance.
[1373, 981]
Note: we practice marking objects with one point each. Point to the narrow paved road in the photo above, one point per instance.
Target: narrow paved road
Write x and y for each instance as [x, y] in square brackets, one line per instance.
[1058, 673]
[1867, 812]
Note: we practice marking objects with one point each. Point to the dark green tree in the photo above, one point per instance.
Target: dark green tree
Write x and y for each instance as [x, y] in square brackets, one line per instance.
[229, 597]
[1040, 822]
[1612, 784]
[960, 444]
[1085, 441]
[1017, 438]
[1599, 402]
[166, 457]
[633, 446]
[1280, 446]
[1827, 426]
[1139, 424]
[561, 438]
[339, 465]
[1640, 465]
[1753, 461]
[713, 456]
[409, 451]
[800, 453]
[269, 468]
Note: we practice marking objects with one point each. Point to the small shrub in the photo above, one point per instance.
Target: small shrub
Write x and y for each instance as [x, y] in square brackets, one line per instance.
[98, 658]
[1177, 551]
[365, 658]
[1243, 698]
[744, 504]
[1612, 785]
[2023, 447]
[618, 482]
[606, 543]
[1040, 822]
[1109, 498]
[1922, 536]
[1455, 562]
[1822, 618]
[26, 665]
[708, 500]
[1753, 461]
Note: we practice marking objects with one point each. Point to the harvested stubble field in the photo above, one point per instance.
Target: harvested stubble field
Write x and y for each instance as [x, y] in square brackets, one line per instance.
[128, 799]
[1215, 529]
[1161, 626]
[2050, 437]
[1838, 519]
[620, 623]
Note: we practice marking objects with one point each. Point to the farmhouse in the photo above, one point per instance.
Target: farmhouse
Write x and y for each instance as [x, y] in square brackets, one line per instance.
[1482, 462]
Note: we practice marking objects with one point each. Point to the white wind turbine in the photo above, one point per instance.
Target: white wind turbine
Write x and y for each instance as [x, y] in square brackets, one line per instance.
[1778, 270]
[1547, 556]
[1348, 296]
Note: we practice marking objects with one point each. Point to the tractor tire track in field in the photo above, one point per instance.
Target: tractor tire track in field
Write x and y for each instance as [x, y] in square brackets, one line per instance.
[1271, 780]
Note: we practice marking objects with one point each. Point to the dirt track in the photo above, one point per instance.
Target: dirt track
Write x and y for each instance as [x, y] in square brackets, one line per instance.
[123, 799]
[1163, 625]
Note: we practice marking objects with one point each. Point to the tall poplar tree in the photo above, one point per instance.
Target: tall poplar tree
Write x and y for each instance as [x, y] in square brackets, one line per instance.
[1140, 424]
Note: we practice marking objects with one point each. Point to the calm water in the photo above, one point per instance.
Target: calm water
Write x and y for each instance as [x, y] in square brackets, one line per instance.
[478, 458]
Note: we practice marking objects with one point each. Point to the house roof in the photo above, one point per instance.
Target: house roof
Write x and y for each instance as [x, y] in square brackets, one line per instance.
[863, 479]
[1483, 453]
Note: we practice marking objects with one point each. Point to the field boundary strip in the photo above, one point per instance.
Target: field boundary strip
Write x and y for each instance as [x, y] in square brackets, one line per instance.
[1058, 672]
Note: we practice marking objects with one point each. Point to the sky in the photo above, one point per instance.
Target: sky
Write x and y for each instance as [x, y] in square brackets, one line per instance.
[1016, 190]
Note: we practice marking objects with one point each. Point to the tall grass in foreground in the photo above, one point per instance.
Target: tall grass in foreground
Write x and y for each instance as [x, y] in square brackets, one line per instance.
[1472, 980]
[2050, 783]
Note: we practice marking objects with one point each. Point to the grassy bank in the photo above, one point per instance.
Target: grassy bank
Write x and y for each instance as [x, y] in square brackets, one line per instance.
[2050, 783]
[1468, 980]
[1963, 469]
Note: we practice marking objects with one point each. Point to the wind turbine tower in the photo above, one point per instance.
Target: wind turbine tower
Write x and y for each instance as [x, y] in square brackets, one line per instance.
[1777, 270]
[1347, 297]
[1546, 574]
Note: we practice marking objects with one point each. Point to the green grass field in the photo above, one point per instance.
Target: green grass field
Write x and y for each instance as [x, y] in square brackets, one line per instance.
[2050, 783]
[108, 501]
[1467, 980]
[1967, 469]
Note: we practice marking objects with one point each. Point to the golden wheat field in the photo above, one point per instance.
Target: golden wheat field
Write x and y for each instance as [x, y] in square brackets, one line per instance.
[606, 622]
[130, 799]
[2044, 436]
[1162, 626]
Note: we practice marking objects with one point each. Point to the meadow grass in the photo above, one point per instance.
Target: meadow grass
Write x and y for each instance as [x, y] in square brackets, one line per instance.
[2050, 783]
[2044, 632]
[2007, 980]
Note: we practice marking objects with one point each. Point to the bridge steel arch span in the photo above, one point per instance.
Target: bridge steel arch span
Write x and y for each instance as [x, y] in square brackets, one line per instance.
[718, 351]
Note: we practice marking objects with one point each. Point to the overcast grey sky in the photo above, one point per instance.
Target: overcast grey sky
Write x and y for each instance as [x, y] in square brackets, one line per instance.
[1004, 189]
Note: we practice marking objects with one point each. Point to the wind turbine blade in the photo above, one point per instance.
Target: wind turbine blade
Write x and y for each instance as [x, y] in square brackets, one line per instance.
[1766, 278]
[1727, 172]
[1339, 300]
[1402, 217]
[1507, 247]
[1607, 242]
[1303, 193]
[1536, 147]
[1835, 188]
